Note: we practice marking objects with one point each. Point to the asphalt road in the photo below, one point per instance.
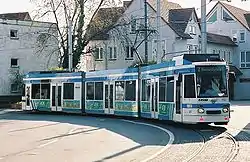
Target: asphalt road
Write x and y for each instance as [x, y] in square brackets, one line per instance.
[50, 138]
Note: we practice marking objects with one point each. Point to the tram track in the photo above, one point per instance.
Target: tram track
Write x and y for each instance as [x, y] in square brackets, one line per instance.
[210, 143]
[198, 152]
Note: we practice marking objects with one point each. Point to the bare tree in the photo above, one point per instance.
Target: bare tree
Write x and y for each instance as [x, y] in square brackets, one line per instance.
[80, 12]
[16, 78]
[130, 33]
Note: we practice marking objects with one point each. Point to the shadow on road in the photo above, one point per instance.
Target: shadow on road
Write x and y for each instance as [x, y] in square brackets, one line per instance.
[244, 134]
[141, 134]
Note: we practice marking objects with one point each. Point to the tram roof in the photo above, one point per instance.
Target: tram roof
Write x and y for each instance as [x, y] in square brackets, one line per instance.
[42, 74]
[202, 57]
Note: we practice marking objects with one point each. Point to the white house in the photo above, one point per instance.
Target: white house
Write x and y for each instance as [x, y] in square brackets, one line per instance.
[180, 33]
[234, 22]
[21, 52]
[114, 47]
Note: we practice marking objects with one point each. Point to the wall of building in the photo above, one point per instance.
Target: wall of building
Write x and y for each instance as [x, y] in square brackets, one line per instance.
[23, 47]
[194, 30]
[233, 28]
[226, 52]
[122, 37]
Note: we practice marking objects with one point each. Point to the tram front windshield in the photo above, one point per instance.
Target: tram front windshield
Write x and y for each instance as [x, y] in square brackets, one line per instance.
[211, 81]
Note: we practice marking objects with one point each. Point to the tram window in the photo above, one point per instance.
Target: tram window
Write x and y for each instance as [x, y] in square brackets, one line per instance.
[119, 90]
[35, 94]
[145, 90]
[23, 89]
[45, 91]
[130, 91]
[189, 88]
[162, 89]
[98, 91]
[68, 91]
[170, 89]
[90, 91]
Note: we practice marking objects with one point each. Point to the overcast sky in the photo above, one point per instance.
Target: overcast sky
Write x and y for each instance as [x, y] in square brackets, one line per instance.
[25, 5]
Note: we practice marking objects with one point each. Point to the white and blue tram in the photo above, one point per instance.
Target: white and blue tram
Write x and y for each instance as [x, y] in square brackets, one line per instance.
[188, 89]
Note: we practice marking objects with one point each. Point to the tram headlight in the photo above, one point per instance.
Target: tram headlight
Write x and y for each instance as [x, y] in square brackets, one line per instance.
[226, 108]
[201, 110]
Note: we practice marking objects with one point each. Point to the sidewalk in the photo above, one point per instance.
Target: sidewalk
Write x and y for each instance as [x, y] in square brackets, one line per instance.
[240, 103]
[4, 111]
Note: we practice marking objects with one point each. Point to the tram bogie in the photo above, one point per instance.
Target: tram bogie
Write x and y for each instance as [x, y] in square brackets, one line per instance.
[187, 89]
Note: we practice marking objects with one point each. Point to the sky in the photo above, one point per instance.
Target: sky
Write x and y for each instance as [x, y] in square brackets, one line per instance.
[8, 6]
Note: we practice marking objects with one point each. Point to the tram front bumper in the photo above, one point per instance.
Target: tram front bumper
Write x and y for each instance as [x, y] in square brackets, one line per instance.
[203, 118]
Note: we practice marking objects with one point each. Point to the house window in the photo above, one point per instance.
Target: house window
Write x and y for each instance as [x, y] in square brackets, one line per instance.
[163, 46]
[234, 35]
[13, 34]
[133, 25]
[224, 56]
[226, 16]
[14, 62]
[245, 59]
[196, 49]
[99, 53]
[112, 52]
[14, 88]
[192, 29]
[129, 52]
[115, 52]
[213, 18]
[242, 36]
[190, 49]
[229, 58]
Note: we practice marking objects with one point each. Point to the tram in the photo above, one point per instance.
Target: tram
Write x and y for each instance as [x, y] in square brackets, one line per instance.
[187, 89]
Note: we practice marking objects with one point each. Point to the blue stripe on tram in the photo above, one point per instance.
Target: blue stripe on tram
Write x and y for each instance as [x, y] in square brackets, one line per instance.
[203, 105]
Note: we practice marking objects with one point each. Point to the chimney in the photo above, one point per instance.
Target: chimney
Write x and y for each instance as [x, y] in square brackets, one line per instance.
[126, 4]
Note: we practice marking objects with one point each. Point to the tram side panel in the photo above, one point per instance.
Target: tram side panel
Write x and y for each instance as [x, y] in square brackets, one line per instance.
[72, 100]
[112, 97]
[113, 94]
[158, 92]
[53, 92]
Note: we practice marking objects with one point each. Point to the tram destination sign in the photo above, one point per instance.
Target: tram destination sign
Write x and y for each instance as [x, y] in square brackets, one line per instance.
[209, 68]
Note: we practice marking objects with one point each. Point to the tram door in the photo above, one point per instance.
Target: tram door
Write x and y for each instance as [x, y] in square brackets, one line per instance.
[56, 97]
[109, 97]
[154, 98]
[26, 105]
[178, 99]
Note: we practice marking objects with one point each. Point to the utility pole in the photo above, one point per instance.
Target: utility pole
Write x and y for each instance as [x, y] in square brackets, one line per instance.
[70, 44]
[146, 30]
[106, 56]
[159, 51]
[203, 28]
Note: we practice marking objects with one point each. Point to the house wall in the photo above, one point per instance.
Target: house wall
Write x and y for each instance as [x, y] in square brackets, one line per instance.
[195, 41]
[226, 52]
[24, 48]
[227, 28]
[123, 37]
